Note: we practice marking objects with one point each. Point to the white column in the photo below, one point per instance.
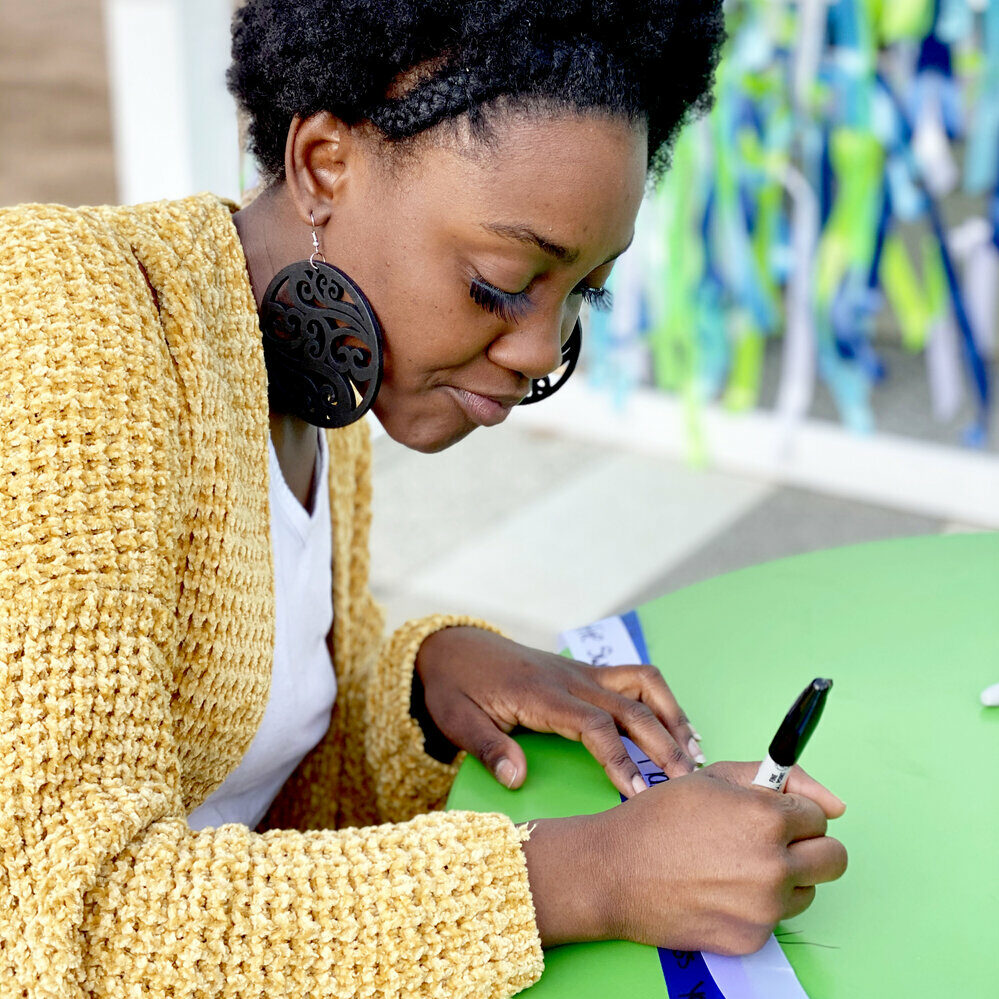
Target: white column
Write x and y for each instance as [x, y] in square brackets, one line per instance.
[175, 126]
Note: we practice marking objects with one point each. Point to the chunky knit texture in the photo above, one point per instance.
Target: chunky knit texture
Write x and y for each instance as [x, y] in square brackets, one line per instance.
[136, 636]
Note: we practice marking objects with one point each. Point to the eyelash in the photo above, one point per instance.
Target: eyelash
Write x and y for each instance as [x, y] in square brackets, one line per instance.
[511, 307]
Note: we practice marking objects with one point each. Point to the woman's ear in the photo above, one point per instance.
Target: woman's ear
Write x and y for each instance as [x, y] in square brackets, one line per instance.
[317, 162]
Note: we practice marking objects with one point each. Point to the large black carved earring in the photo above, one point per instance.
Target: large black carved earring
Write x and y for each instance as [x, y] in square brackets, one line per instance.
[322, 344]
[542, 388]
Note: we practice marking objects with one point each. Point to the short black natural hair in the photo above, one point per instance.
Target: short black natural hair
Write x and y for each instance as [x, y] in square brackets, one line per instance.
[652, 61]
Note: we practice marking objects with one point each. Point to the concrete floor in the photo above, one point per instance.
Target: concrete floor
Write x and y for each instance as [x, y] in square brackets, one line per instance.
[539, 534]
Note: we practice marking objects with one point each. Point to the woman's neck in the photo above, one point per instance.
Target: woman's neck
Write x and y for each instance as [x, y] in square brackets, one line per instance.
[272, 236]
[296, 444]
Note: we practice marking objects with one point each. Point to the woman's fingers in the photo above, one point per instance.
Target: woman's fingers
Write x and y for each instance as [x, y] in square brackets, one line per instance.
[469, 727]
[645, 729]
[597, 717]
[817, 861]
[799, 782]
[644, 708]
[600, 734]
[646, 684]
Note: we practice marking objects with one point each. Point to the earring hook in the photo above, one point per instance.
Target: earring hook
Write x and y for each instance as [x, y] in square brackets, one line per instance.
[315, 242]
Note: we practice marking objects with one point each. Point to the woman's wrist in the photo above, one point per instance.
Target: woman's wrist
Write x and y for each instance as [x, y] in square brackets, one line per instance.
[569, 874]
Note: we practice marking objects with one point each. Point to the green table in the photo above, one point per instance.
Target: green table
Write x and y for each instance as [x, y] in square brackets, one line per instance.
[909, 631]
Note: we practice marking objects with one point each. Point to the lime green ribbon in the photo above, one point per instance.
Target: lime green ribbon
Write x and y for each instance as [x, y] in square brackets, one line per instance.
[858, 160]
[917, 300]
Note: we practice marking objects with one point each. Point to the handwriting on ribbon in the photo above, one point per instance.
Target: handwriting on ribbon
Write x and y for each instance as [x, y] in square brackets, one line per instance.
[687, 975]
[598, 650]
[649, 770]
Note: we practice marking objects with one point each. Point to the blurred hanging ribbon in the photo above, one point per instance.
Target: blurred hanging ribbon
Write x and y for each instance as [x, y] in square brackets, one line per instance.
[807, 205]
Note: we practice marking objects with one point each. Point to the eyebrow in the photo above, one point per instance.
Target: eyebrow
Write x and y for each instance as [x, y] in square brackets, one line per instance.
[524, 234]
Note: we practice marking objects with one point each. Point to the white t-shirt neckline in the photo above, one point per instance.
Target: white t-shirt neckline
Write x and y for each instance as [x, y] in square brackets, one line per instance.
[303, 683]
[286, 502]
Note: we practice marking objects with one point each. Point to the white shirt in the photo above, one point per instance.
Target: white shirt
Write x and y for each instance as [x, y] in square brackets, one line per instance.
[303, 684]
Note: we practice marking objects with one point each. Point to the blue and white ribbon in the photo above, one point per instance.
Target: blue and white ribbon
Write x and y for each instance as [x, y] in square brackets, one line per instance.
[619, 641]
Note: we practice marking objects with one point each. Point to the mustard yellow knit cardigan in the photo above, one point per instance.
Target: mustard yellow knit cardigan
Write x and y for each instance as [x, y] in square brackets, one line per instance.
[136, 634]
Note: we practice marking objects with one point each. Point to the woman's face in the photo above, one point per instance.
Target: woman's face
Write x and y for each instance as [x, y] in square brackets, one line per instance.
[477, 262]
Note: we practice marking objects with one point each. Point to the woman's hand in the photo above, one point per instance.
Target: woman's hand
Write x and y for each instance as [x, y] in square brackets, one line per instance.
[704, 862]
[478, 686]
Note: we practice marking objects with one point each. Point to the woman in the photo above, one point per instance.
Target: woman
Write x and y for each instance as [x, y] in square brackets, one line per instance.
[474, 169]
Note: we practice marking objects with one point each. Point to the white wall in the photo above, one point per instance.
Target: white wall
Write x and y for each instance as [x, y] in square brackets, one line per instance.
[175, 126]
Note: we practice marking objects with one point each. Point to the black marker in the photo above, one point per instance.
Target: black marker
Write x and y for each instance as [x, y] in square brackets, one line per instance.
[793, 734]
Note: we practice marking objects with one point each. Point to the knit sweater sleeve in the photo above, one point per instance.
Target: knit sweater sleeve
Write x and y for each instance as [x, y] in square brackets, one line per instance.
[108, 893]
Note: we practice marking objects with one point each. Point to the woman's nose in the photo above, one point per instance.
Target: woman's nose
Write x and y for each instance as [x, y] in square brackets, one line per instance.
[533, 349]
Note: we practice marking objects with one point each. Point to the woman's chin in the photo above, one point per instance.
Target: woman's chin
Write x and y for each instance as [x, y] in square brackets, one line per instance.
[428, 436]
[430, 444]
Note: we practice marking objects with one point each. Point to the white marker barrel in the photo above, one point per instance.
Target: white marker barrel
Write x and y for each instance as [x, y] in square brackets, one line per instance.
[771, 775]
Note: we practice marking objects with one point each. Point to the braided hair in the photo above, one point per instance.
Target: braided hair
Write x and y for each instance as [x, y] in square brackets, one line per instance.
[650, 61]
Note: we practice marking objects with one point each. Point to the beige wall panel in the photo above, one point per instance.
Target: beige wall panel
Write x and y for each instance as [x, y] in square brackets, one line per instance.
[55, 122]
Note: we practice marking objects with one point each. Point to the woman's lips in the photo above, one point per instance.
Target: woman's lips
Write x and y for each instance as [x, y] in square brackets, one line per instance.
[480, 409]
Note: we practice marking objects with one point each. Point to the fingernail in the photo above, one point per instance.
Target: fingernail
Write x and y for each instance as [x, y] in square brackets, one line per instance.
[695, 733]
[840, 800]
[506, 773]
[638, 783]
[695, 752]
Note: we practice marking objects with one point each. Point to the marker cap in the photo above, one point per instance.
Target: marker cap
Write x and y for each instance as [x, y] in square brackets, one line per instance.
[799, 723]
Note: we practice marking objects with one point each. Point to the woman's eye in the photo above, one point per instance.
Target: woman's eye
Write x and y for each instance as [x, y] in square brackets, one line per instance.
[596, 298]
[510, 307]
